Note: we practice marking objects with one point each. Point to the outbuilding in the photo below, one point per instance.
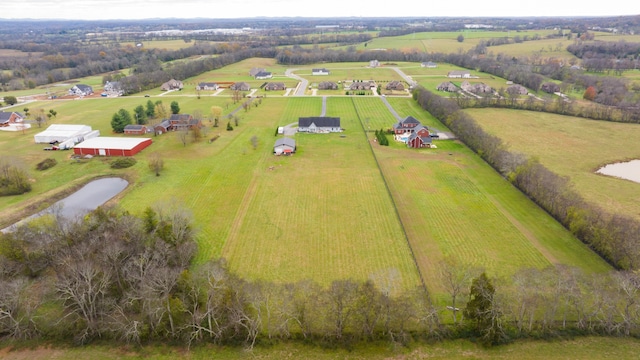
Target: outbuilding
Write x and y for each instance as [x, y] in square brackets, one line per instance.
[112, 146]
[65, 133]
[284, 146]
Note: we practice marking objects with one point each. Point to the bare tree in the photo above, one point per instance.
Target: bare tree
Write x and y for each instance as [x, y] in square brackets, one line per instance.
[456, 278]
[156, 163]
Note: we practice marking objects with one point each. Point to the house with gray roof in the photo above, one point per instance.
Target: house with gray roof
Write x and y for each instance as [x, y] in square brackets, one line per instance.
[207, 86]
[284, 146]
[459, 74]
[319, 124]
[240, 86]
[322, 71]
[81, 90]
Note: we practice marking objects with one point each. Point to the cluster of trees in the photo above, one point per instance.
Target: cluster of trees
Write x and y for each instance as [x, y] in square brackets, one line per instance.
[14, 179]
[604, 56]
[115, 276]
[382, 137]
[142, 114]
[614, 236]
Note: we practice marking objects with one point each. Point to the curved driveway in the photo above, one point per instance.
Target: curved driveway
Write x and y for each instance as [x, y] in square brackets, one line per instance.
[302, 86]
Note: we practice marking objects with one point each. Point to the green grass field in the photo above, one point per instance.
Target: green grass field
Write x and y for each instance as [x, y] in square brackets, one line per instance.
[572, 147]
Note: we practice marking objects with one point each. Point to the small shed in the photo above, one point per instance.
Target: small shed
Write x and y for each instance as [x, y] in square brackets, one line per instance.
[112, 146]
[284, 146]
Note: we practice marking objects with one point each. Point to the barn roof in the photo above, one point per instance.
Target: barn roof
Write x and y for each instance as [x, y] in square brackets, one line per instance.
[105, 142]
[285, 141]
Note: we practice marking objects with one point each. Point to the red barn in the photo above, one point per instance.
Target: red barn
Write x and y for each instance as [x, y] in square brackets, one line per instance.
[111, 146]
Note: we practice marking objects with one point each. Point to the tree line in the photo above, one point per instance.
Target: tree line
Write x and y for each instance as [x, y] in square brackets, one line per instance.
[123, 278]
[614, 237]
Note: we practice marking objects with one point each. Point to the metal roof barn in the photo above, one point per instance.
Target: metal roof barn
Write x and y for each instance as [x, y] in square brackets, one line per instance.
[112, 146]
[65, 132]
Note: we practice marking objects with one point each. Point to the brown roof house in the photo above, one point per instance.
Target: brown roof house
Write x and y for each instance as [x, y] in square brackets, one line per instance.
[172, 84]
[478, 88]
[328, 85]
[275, 86]
[395, 85]
[447, 86]
[240, 86]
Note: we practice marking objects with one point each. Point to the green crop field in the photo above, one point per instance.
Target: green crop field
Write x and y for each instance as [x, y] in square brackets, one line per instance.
[572, 147]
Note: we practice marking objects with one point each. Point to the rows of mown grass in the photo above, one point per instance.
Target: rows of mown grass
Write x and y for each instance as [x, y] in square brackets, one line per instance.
[572, 147]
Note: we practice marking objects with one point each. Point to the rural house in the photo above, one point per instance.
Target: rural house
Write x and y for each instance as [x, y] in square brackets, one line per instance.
[478, 88]
[163, 127]
[134, 129]
[240, 86]
[328, 85]
[113, 88]
[429, 64]
[408, 124]
[319, 71]
[447, 86]
[81, 90]
[459, 74]
[184, 121]
[172, 84]
[263, 75]
[319, 124]
[395, 85]
[207, 86]
[517, 90]
[7, 118]
[274, 86]
[284, 146]
[374, 63]
[254, 71]
[418, 141]
[361, 85]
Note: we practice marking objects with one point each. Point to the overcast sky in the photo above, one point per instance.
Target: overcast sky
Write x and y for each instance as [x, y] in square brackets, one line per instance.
[144, 9]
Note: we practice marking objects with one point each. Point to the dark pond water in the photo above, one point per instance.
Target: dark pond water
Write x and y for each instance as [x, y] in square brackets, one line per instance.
[629, 170]
[85, 200]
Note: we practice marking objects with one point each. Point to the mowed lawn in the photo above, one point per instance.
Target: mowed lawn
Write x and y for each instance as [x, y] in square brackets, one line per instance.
[573, 147]
[452, 204]
[321, 214]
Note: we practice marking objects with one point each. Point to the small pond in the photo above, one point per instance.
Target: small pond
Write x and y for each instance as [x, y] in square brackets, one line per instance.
[85, 200]
[629, 170]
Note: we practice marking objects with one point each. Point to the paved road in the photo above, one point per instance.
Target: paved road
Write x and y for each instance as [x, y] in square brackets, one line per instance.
[324, 106]
[302, 85]
[391, 109]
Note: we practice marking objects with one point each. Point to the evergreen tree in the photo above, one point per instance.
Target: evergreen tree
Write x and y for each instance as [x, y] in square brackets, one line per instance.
[119, 120]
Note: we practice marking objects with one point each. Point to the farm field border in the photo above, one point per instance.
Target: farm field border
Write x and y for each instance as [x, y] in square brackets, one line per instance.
[305, 221]
[572, 147]
[457, 206]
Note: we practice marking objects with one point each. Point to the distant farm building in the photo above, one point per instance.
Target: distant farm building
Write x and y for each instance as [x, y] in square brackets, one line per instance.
[284, 146]
[459, 74]
[374, 63]
[328, 85]
[275, 86]
[320, 124]
[319, 71]
[66, 135]
[81, 90]
[163, 127]
[132, 129]
[429, 64]
[112, 146]
[207, 86]
[240, 86]
[172, 84]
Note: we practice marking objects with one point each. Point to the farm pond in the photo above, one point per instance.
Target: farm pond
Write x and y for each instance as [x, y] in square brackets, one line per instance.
[83, 201]
[629, 170]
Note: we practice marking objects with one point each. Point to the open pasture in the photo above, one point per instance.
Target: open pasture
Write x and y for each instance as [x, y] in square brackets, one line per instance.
[305, 220]
[572, 147]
